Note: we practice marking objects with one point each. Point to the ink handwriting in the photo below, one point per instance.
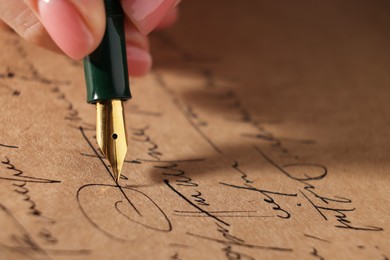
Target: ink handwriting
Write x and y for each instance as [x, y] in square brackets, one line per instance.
[21, 242]
[231, 242]
[129, 206]
[305, 173]
[249, 186]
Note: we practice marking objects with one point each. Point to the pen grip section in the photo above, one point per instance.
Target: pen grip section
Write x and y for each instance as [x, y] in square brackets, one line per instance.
[113, 7]
[105, 69]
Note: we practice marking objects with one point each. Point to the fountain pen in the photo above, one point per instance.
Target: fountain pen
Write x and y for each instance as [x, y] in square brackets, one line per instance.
[107, 83]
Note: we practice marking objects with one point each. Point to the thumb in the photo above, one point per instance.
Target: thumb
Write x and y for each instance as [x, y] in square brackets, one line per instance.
[76, 26]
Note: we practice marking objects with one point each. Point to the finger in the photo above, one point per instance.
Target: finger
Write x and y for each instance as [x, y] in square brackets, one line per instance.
[137, 47]
[22, 20]
[146, 15]
[139, 61]
[169, 19]
[135, 37]
[76, 26]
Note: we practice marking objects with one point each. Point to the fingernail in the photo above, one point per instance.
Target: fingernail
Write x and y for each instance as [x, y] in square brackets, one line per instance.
[147, 14]
[66, 27]
[139, 61]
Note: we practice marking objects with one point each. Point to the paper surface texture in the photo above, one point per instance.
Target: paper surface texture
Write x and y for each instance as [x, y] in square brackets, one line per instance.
[263, 132]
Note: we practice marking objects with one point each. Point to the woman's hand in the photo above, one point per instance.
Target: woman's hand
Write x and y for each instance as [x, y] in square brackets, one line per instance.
[76, 27]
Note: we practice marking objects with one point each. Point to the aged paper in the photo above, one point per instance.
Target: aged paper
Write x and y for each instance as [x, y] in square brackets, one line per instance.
[261, 133]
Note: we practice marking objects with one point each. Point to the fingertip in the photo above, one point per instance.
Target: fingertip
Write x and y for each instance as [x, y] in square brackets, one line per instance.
[94, 15]
[76, 31]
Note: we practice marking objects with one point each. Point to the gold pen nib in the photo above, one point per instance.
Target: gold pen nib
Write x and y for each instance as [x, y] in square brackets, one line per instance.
[111, 133]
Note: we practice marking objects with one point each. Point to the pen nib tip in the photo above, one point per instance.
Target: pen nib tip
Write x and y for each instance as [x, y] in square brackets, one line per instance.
[111, 134]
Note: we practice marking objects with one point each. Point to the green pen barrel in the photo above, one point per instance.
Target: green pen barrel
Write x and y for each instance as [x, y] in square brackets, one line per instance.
[105, 69]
